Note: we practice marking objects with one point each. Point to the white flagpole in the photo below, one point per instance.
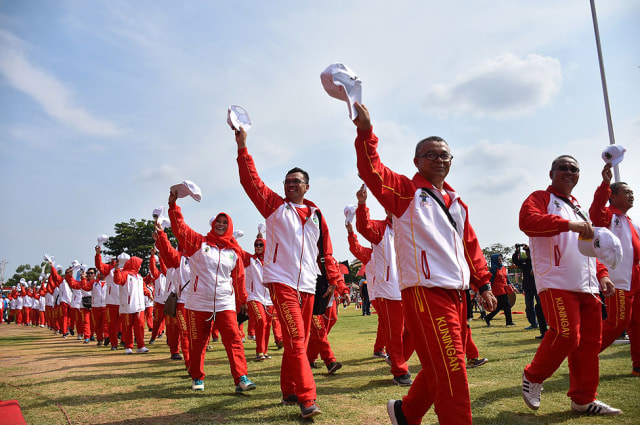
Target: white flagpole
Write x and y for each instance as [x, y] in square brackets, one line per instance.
[612, 140]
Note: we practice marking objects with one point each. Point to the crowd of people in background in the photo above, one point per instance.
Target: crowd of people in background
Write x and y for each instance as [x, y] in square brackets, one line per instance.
[424, 272]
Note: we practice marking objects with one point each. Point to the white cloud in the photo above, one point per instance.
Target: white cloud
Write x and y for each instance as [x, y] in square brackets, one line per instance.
[500, 87]
[55, 98]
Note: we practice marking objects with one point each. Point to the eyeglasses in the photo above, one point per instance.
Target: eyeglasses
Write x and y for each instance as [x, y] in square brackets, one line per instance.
[432, 156]
[565, 167]
[293, 181]
[90, 273]
[258, 245]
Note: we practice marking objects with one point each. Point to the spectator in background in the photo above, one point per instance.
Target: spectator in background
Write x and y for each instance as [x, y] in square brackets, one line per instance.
[522, 258]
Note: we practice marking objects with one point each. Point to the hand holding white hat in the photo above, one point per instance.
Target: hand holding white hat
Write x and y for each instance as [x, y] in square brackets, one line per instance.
[363, 120]
[241, 138]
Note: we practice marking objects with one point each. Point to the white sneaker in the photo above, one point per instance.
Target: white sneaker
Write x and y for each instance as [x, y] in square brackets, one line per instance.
[142, 350]
[531, 393]
[128, 351]
[596, 407]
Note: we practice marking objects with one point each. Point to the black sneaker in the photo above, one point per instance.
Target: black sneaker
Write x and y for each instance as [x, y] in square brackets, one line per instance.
[176, 356]
[333, 367]
[289, 400]
[106, 341]
[394, 409]
[311, 409]
[477, 362]
[636, 371]
[403, 380]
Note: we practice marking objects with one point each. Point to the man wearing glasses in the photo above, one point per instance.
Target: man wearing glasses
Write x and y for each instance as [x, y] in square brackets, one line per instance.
[292, 260]
[568, 287]
[438, 257]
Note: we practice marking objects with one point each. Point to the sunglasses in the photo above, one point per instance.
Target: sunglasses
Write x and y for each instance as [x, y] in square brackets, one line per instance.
[564, 168]
[258, 245]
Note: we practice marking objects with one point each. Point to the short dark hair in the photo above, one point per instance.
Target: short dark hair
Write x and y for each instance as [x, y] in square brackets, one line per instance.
[615, 187]
[429, 139]
[93, 269]
[299, 170]
[555, 161]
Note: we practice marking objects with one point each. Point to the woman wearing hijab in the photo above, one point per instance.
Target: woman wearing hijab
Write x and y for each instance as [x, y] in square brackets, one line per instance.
[217, 284]
[501, 288]
[131, 304]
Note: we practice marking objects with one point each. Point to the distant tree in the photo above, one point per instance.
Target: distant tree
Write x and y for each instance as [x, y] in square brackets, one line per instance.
[134, 238]
[498, 248]
[28, 272]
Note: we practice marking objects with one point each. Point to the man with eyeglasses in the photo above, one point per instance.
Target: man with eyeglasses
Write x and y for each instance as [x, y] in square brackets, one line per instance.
[438, 258]
[623, 309]
[569, 287]
[291, 265]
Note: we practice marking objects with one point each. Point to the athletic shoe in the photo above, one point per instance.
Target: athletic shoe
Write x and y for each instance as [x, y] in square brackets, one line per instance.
[209, 348]
[333, 367]
[279, 344]
[596, 407]
[251, 337]
[260, 357]
[539, 336]
[379, 355]
[143, 350]
[114, 348]
[394, 409]
[510, 324]
[530, 327]
[79, 337]
[99, 343]
[128, 351]
[531, 392]
[93, 338]
[636, 371]
[214, 339]
[87, 340]
[266, 356]
[471, 363]
[65, 335]
[244, 340]
[197, 385]
[309, 409]
[152, 341]
[403, 380]
[71, 332]
[245, 384]
[289, 400]
[314, 365]
[106, 341]
[176, 356]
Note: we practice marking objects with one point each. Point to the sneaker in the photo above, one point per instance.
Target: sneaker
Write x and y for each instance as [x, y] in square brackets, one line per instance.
[279, 344]
[209, 348]
[394, 409]
[596, 407]
[176, 356]
[114, 348]
[403, 380]
[99, 343]
[332, 368]
[106, 341]
[471, 363]
[197, 385]
[93, 338]
[152, 341]
[143, 350]
[65, 335]
[71, 332]
[379, 355]
[314, 365]
[636, 371]
[289, 400]
[79, 337]
[266, 356]
[309, 409]
[531, 393]
[260, 357]
[539, 336]
[245, 384]
[530, 327]
[252, 337]
[87, 340]
[128, 351]
[510, 324]
[214, 339]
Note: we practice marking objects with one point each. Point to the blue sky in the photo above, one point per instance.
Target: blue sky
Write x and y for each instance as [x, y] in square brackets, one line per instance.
[105, 104]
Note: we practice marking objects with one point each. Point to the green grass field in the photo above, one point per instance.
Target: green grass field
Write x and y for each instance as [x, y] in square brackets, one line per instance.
[53, 378]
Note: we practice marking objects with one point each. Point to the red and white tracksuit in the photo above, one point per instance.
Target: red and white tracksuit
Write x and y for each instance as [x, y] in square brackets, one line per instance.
[132, 293]
[436, 263]
[99, 308]
[290, 269]
[217, 286]
[80, 288]
[64, 300]
[112, 299]
[258, 299]
[626, 276]
[160, 295]
[567, 283]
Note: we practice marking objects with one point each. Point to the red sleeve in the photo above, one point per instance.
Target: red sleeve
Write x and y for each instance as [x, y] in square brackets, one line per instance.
[394, 191]
[265, 199]
[145, 289]
[103, 268]
[163, 268]
[341, 287]
[246, 258]
[601, 270]
[188, 238]
[360, 252]
[599, 214]
[473, 253]
[51, 286]
[237, 276]
[168, 254]
[119, 277]
[73, 284]
[87, 285]
[535, 221]
[56, 279]
[371, 230]
[153, 270]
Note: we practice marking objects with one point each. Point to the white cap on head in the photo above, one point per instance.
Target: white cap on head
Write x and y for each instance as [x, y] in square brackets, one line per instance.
[605, 246]
[238, 117]
[187, 188]
[342, 83]
[613, 154]
[349, 213]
